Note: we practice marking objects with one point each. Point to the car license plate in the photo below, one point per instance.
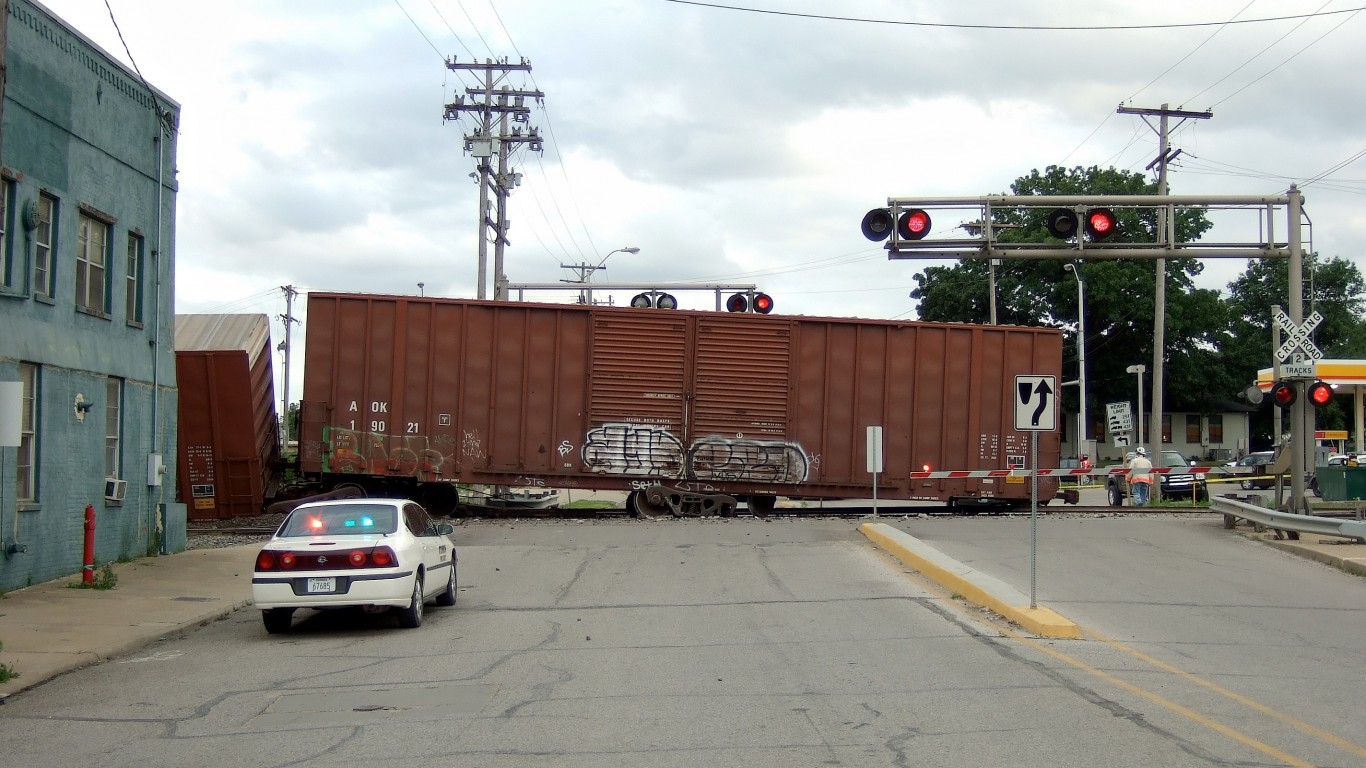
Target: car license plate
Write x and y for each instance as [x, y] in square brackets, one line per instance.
[328, 584]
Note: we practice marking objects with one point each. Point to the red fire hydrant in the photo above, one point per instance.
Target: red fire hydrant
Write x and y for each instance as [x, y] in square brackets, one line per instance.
[88, 572]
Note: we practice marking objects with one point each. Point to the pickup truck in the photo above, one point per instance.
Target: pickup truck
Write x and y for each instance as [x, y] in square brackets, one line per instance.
[1175, 484]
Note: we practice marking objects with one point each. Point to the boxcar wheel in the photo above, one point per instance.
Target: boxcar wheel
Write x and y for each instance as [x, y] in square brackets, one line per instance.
[447, 596]
[761, 506]
[411, 617]
[277, 620]
[638, 505]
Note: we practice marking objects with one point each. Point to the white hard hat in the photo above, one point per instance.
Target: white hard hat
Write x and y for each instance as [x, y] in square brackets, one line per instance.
[1142, 451]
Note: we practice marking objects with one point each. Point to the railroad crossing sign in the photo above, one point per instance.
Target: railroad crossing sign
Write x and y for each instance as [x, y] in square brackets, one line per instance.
[1119, 418]
[1297, 337]
[1034, 406]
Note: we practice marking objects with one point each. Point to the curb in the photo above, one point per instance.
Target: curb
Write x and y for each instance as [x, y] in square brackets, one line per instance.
[975, 587]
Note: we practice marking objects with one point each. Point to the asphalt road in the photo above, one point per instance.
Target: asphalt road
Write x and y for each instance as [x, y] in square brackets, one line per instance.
[759, 643]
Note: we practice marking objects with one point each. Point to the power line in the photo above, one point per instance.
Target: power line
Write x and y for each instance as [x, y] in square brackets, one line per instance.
[1255, 56]
[1008, 27]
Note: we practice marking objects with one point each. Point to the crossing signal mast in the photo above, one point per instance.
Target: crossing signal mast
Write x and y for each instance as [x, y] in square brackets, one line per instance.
[1088, 227]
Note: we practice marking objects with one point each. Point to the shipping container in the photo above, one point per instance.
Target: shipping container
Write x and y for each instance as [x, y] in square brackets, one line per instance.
[672, 405]
[228, 432]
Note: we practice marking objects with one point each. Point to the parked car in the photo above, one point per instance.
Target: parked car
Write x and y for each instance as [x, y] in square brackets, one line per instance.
[1176, 484]
[376, 554]
[1254, 466]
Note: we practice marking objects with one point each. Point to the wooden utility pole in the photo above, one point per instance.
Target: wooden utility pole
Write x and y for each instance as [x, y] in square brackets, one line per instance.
[1165, 235]
[492, 98]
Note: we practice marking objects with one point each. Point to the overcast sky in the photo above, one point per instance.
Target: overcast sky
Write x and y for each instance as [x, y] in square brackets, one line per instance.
[726, 145]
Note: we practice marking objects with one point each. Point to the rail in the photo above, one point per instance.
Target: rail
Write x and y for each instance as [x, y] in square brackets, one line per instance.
[1285, 521]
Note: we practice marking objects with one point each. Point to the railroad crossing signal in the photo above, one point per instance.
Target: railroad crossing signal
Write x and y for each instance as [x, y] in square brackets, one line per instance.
[1035, 409]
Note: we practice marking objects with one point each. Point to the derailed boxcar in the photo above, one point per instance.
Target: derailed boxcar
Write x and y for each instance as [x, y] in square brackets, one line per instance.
[688, 410]
[228, 434]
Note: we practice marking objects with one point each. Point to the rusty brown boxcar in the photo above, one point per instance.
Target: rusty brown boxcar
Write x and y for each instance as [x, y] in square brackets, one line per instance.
[228, 433]
[681, 408]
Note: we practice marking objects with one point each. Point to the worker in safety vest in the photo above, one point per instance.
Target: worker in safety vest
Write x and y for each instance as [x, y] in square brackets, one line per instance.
[1140, 477]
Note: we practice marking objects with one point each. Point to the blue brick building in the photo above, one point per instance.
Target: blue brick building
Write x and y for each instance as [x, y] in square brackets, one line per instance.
[87, 361]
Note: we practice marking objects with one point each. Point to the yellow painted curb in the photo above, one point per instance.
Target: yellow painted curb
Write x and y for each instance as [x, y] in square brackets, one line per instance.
[968, 584]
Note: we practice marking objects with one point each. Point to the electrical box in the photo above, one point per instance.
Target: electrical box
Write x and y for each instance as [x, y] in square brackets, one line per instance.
[155, 470]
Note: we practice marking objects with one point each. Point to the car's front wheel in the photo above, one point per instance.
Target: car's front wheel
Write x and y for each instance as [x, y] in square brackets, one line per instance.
[411, 617]
[447, 596]
[277, 620]
[1247, 485]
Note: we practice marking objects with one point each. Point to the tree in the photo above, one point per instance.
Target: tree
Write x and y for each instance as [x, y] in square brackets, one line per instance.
[1119, 295]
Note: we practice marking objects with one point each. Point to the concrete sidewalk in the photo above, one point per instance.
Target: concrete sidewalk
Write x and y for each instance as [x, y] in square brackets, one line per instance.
[52, 628]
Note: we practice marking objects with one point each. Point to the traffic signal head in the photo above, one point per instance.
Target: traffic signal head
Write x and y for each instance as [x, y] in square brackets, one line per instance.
[877, 225]
[913, 224]
[1283, 394]
[744, 302]
[1320, 393]
[1100, 223]
[659, 300]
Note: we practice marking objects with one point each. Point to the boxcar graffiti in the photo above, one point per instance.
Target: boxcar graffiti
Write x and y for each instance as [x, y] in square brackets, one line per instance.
[685, 410]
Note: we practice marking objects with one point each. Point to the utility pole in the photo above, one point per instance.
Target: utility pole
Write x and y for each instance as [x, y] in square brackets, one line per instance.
[491, 98]
[289, 320]
[1165, 236]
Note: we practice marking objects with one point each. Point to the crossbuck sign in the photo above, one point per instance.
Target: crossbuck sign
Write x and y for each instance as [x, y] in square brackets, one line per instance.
[1297, 337]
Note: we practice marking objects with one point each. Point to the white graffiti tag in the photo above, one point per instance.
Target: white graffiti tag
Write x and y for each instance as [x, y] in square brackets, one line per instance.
[633, 449]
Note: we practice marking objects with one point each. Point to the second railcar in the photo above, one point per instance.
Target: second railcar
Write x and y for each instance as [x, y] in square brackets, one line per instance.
[677, 407]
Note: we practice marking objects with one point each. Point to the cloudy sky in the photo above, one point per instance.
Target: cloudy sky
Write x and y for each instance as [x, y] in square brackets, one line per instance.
[728, 145]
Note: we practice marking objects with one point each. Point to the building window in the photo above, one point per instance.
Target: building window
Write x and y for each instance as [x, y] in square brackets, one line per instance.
[6, 232]
[134, 281]
[113, 397]
[92, 251]
[1193, 428]
[43, 232]
[1216, 429]
[1166, 427]
[28, 434]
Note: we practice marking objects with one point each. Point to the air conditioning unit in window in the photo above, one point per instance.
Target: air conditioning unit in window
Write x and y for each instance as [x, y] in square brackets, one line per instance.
[114, 489]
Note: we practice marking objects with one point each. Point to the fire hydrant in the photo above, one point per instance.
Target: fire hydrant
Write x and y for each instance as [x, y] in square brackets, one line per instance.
[88, 572]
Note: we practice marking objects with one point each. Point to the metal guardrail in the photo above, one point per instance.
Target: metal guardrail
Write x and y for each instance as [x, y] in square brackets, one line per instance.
[1285, 521]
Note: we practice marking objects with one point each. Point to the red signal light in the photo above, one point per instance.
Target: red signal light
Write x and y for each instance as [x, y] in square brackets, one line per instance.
[1283, 394]
[1320, 393]
[763, 303]
[265, 561]
[913, 225]
[287, 560]
[382, 557]
[1100, 223]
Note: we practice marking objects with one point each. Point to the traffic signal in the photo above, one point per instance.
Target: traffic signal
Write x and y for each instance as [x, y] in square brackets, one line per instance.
[1320, 393]
[1100, 223]
[654, 299]
[761, 303]
[914, 224]
[1283, 394]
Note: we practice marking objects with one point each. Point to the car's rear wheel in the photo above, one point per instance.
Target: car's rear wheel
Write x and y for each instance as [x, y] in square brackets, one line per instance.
[447, 596]
[1116, 495]
[1247, 485]
[277, 620]
[411, 617]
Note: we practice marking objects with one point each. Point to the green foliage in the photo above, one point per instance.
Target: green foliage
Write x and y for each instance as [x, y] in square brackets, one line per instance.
[103, 579]
[7, 672]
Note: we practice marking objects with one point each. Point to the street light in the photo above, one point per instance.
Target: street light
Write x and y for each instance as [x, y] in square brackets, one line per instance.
[586, 272]
[1138, 369]
[1082, 438]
